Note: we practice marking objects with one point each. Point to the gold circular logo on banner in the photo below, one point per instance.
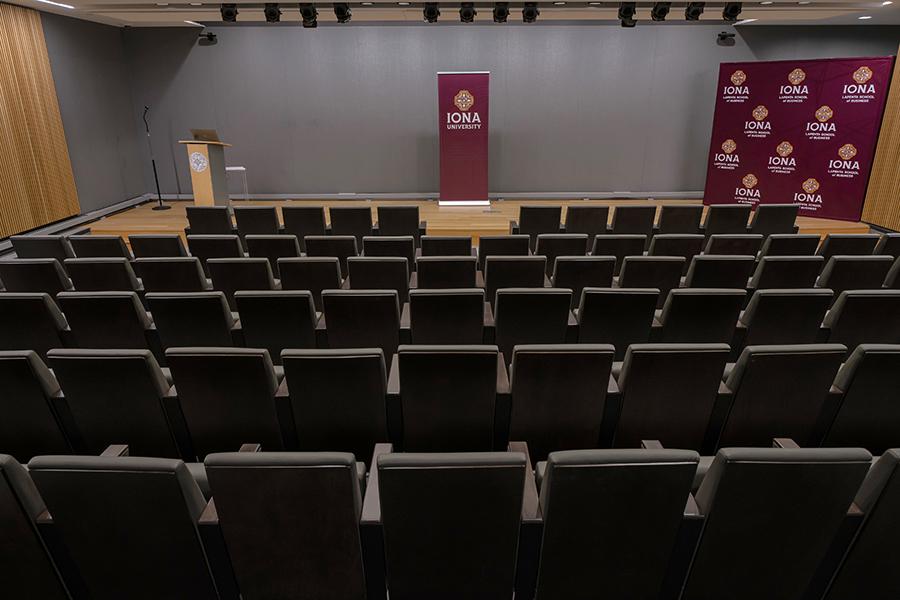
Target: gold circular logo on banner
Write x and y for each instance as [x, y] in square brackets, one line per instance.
[847, 151]
[750, 180]
[810, 186]
[760, 112]
[738, 77]
[729, 146]
[824, 113]
[796, 76]
[784, 149]
[464, 100]
[862, 75]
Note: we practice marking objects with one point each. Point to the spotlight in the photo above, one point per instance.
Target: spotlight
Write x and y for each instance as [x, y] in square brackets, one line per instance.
[208, 39]
[530, 12]
[626, 14]
[342, 12]
[693, 11]
[272, 12]
[660, 11]
[731, 12]
[467, 12]
[431, 12]
[309, 14]
[501, 12]
[229, 13]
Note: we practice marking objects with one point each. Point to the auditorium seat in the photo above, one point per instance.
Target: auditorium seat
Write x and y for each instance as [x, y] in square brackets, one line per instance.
[445, 272]
[102, 275]
[535, 220]
[781, 391]
[670, 393]
[118, 397]
[42, 246]
[699, 316]
[470, 505]
[848, 272]
[206, 247]
[403, 246]
[719, 271]
[679, 218]
[436, 245]
[351, 220]
[34, 275]
[790, 244]
[634, 219]
[620, 246]
[446, 316]
[579, 272]
[272, 247]
[660, 272]
[855, 244]
[734, 243]
[771, 219]
[869, 415]
[892, 279]
[770, 517]
[156, 246]
[888, 244]
[256, 220]
[129, 525]
[592, 495]
[501, 245]
[266, 502]
[338, 246]
[192, 319]
[590, 220]
[513, 272]
[336, 399]
[531, 316]
[552, 245]
[31, 321]
[617, 316]
[227, 396]
[172, 274]
[100, 246]
[783, 316]
[28, 569]
[107, 320]
[400, 220]
[726, 218]
[376, 273]
[276, 320]
[232, 274]
[677, 244]
[558, 395]
[864, 317]
[302, 221]
[363, 319]
[778, 272]
[313, 274]
[31, 407]
[208, 220]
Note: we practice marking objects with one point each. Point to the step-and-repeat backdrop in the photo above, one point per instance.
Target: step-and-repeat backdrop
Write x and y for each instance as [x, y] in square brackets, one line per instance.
[797, 132]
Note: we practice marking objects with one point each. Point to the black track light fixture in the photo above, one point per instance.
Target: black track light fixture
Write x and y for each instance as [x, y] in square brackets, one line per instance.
[272, 12]
[229, 13]
[693, 10]
[431, 12]
[501, 12]
[626, 14]
[309, 14]
[467, 12]
[342, 12]
[660, 11]
[530, 12]
[732, 11]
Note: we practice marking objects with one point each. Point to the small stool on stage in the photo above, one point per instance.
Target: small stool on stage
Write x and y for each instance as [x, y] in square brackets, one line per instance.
[243, 173]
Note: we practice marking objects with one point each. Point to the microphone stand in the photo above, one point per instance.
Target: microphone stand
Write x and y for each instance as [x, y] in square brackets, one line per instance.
[160, 205]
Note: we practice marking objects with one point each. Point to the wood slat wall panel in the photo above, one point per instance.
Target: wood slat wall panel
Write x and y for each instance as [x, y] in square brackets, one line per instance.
[36, 181]
[882, 205]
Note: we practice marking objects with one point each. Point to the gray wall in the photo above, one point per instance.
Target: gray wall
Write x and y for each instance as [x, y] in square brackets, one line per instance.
[94, 92]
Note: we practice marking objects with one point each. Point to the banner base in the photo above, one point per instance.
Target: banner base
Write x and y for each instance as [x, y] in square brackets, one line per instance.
[464, 202]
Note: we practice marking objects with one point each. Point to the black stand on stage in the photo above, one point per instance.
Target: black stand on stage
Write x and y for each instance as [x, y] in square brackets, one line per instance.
[160, 205]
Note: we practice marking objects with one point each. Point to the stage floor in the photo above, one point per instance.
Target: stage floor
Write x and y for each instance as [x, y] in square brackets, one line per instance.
[442, 220]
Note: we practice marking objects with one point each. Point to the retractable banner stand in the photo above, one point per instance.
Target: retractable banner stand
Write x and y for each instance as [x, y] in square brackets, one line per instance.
[799, 132]
[463, 126]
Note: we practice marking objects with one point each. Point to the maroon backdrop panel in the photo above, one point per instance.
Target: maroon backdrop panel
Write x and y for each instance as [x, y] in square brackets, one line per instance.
[797, 132]
[463, 125]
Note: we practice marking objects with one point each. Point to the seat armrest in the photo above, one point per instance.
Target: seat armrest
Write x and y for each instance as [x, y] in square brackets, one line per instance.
[513, 227]
[531, 510]
[116, 450]
[393, 382]
[414, 279]
[371, 509]
[321, 332]
[237, 334]
[690, 507]
[404, 315]
[530, 530]
[502, 375]
[371, 532]
[784, 443]
[502, 406]
[651, 445]
[209, 516]
[172, 407]
[216, 552]
[479, 279]
[285, 415]
[489, 333]
[250, 448]
[721, 408]
[612, 408]
[572, 329]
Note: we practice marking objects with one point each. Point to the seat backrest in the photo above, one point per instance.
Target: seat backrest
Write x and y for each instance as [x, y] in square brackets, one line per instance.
[28, 570]
[734, 243]
[726, 218]
[864, 317]
[513, 271]
[888, 244]
[28, 396]
[592, 220]
[102, 274]
[579, 272]
[209, 220]
[205, 247]
[752, 497]
[633, 220]
[106, 319]
[227, 396]
[446, 316]
[448, 396]
[847, 272]
[722, 271]
[437, 245]
[267, 501]
[276, 320]
[616, 316]
[338, 399]
[531, 316]
[30, 322]
[850, 244]
[273, 247]
[302, 221]
[338, 246]
[553, 245]
[781, 391]
[363, 319]
[701, 315]
[620, 246]
[677, 244]
[310, 273]
[680, 218]
[661, 272]
[602, 494]
[99, 246]
[380, 273]
[536, 220]
[171, 274]
[42, 246]
[191, 319]
[785, 316]
[232, 274]
[470, 505]
[156, 245]
[869, 416]
[774, 218]
[402, 246]
[258, 220]
[129, 524]
[115, 397]
[502, 245]
[34, 275]
[892, 279]
[444, 272]
[398, 220]
[558, 395]
[351, 220]
[780, 272]
[790, 244]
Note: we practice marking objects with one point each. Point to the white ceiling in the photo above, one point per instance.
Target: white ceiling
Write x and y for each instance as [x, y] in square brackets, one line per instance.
[177, 13]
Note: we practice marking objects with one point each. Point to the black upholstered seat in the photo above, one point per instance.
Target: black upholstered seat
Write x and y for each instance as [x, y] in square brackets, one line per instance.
[513, 272]
[888, 244]
[848, 244]
[726, 218]
[686, 245]
[333, 246]
[531, 316]
[107, 320]
[400, 220]
[380, 273]
[256, 220]
[277, 320]
[719, 271]
[436, 245]
[156, 245]
[679, 218]
[445, 272]
[619, 246]
[771, 219]
[312, 274]
[209, 220]
[42, 246]
[206, 247]
[591, 219]
[553, 245]
[102, 274]
[34, 275]
[302, 221]
[272, 247]
[579, 272]
[502, 245]
[31, 321]
[363, 319]
[403, 246]
[634, 219]
[100, 246]
[351, 220]
[447, 316]
[843, 272]
[535, 220]
[864, 317]
[783, 272]
[192, 319]
[660, 272]
[734, 243]
[783, 316]
[790, 244]
[617, 316]
[230, 275]
[700, 315]
[172, 274]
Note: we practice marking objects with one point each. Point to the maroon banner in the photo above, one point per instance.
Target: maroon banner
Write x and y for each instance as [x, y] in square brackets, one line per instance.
[799, 132]
[463, 125]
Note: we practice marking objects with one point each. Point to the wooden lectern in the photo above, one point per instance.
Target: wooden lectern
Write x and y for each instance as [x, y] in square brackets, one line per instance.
[207, 163]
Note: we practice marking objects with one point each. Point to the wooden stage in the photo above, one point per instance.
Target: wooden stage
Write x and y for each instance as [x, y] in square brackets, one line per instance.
[442, 220]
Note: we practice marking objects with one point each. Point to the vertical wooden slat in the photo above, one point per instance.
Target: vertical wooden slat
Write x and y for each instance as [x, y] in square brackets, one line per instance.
[882, 205]
[36, 181]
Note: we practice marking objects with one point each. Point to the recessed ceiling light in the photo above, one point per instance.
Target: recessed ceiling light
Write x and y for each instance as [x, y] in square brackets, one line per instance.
[403, 3]
[595, 3]
[162, 3]
[559, 4]
[864, 17]
[59, 4]
[367, 4]
[767, 2]
[804, 3]
[196, 4]
[745, 21]
[886, 3]
[195, 23]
